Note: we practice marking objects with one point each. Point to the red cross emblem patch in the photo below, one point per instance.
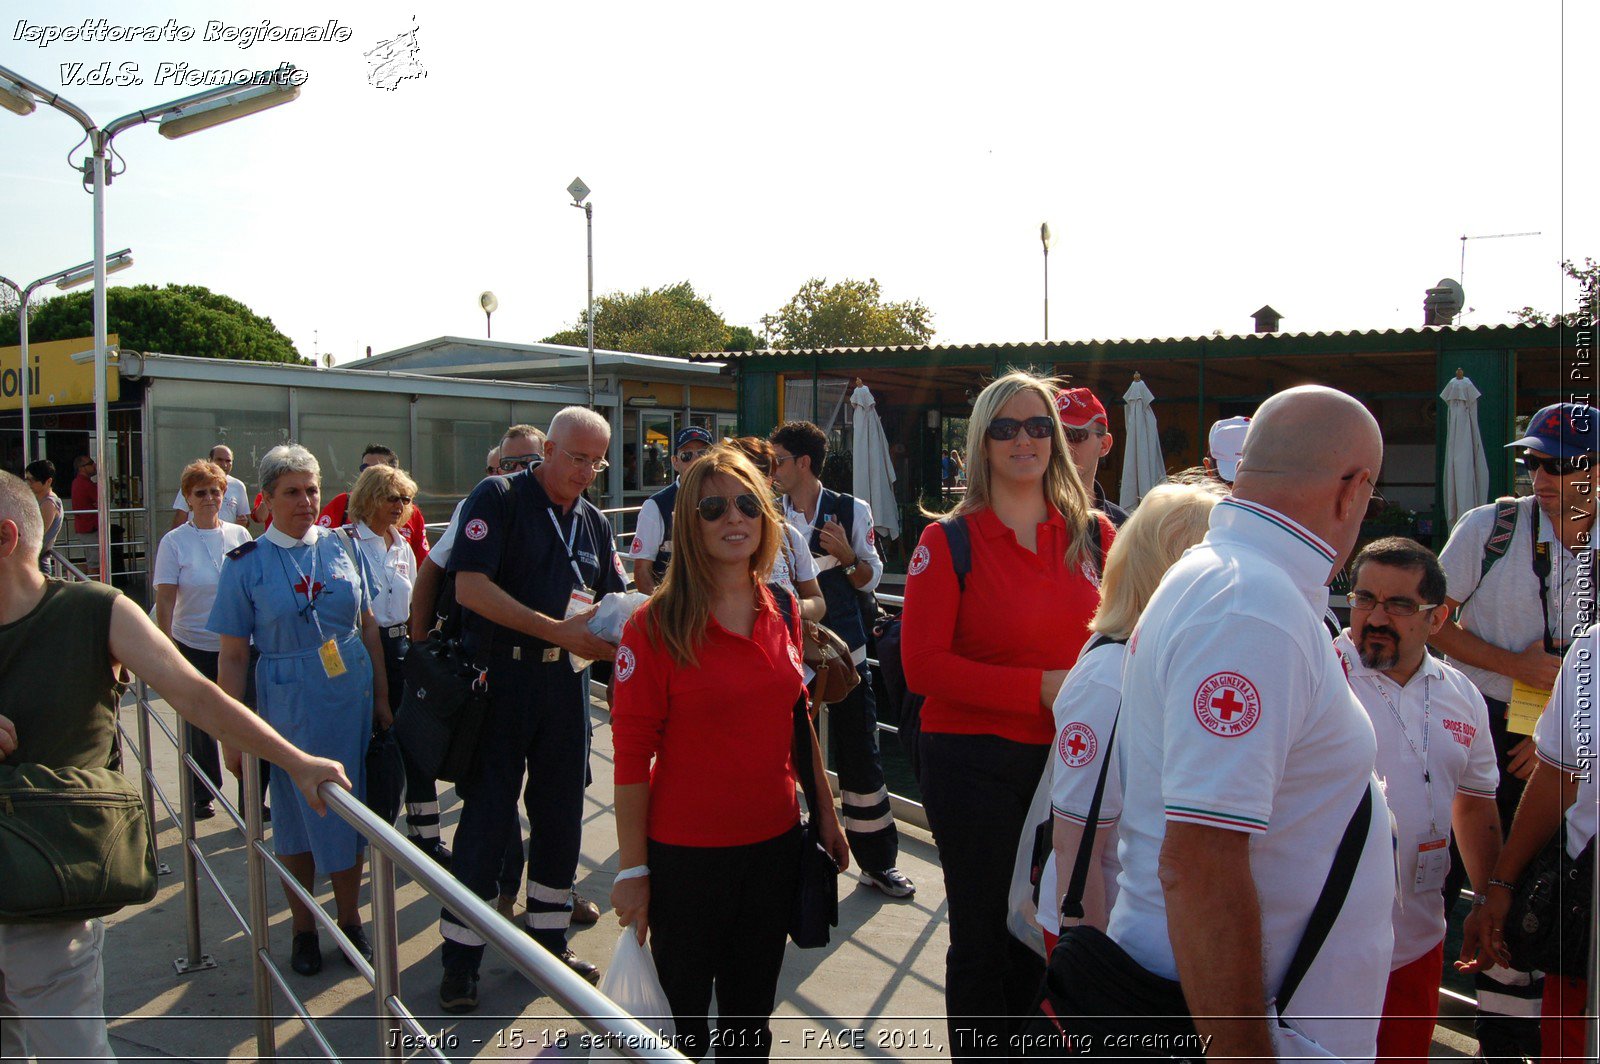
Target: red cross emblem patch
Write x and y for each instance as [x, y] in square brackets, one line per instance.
[1077, 744]
[1227, 704]
[625, 664]
[476, 529]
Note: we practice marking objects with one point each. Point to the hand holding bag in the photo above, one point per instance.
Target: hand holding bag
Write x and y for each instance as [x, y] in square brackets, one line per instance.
[631, 981]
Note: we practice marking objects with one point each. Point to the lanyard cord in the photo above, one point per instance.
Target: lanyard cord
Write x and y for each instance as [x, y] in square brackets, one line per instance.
[309, 610]
[1427, 712]
[1541, 570]
[566, 544]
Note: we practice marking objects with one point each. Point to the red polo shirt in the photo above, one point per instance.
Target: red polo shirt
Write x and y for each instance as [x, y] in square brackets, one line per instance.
[985, 651]
[720, 732]
[414, 530]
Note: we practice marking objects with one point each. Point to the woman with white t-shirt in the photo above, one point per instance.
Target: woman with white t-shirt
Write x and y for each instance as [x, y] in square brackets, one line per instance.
[188, 565]
[1169, 520]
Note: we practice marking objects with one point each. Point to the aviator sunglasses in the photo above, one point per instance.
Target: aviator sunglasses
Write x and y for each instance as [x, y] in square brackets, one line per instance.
[1006, 428]
[712, 507]
[1556, 467]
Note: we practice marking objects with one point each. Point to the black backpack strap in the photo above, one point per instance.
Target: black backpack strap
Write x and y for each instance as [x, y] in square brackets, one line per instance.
[1097, 546]
[1072, 904]
[959, 538]
[1506, 513]
[1331, 900]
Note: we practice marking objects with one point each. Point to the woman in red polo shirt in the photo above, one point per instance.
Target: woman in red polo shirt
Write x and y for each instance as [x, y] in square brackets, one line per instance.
[996, 656]
[707, 678]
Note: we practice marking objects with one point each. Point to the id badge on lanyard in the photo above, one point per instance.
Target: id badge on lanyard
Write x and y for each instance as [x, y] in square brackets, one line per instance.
[1433, 862]
[581, 598]
[332, 660]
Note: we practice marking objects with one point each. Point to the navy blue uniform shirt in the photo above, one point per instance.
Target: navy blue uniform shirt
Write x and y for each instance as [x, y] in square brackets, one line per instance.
[513, 534]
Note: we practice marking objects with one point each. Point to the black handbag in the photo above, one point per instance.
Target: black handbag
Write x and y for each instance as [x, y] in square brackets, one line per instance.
[386, 775]
[1552, 911]
[816, 902]
[443, 710]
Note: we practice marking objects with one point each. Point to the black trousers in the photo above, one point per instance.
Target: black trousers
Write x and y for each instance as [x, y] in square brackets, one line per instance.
[201, 745]
[719, 921]
[976, 790]
[853, 746]
[422, 792]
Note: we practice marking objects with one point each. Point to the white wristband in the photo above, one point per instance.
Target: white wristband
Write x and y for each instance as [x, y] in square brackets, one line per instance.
[636, 872]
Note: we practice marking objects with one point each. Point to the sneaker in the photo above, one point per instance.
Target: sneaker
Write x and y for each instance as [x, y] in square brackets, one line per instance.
[306, 955]
[891, 881]
[580, 966]
[204, 811]
[584, 911]
[458, 991]
[358, 939]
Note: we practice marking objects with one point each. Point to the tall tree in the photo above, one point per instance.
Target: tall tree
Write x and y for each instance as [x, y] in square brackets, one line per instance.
[1588, 278]
[671, 320]
[178, 319]
[847, 314]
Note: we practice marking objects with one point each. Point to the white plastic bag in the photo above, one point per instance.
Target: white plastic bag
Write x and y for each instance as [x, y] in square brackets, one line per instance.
[631, 982]
[613, 612]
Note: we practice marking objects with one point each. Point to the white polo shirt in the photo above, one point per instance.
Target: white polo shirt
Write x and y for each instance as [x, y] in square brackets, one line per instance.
[1236, 715]
[794, 563]
[863, 538]
[394, 571]
[235, 501]
[1502, 608]
[440, 551]
[648, 531]
[191, 559]
[1460, 760]
[1085, 708]
[1565, 736]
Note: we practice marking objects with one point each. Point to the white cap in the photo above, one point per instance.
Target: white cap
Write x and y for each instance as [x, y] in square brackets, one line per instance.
[1227, 445]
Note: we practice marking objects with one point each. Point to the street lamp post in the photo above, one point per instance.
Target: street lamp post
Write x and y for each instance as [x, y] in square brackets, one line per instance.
[1045, 238]
[214, 106]
[579, 192]
[65, 279]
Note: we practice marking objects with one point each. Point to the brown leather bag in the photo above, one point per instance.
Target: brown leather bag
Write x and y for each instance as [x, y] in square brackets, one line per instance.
[828, 656]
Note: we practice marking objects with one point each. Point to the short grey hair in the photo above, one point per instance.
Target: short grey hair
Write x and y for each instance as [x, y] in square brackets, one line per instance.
[577, 417]
[286, 458]
[18, 505]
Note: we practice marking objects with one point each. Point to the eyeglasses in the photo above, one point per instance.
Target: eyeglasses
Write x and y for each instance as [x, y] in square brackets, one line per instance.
[1375, 502]
[1363, 601]
[1006, 428]
[369, 465]
[712, 507]
[403, 500]
[688, 456]
[779, 459]
[599, 465]
[1082, 434]
[1557, 467]
[511, 465]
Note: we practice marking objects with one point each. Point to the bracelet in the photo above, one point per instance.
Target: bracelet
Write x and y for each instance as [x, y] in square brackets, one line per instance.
[636, 872]
[1512, 887]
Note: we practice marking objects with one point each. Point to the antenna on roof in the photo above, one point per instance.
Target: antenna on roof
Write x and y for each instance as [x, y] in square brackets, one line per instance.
[1461, 274]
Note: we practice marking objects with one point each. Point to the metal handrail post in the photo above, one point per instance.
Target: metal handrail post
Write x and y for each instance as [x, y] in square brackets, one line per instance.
[260, 939]
[195, 960]
[385, 951]
[146, 787]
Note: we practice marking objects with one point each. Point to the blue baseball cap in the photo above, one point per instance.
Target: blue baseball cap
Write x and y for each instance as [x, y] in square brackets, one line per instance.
[1563, 430]
[692, 434]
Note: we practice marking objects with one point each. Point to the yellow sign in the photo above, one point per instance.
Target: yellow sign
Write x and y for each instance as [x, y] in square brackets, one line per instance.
[1527, 704]
[56, 379]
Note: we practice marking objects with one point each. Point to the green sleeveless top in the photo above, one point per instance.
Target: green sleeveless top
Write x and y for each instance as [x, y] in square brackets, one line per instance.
[55, 678]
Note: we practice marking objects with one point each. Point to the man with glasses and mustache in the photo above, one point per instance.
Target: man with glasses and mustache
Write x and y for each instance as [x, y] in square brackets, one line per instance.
[414, 531]
[652, 537]
[1437, 762]
[532, 558]
[1522, 574]
[1089, 439]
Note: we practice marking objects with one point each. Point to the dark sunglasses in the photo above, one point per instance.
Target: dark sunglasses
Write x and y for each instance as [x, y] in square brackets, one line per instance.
[1556, 467]
[403, 500]
[1081, 435]
[1006, 428]
[688, 456]
[712, 507]
[512, 464]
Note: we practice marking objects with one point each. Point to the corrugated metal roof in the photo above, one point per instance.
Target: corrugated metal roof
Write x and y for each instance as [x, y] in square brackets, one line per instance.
[1366, 336]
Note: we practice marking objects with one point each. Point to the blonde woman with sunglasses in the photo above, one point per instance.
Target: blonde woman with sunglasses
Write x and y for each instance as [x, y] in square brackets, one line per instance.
[707, 680]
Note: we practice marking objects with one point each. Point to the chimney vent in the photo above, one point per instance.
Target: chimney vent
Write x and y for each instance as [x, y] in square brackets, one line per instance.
[1267, 320]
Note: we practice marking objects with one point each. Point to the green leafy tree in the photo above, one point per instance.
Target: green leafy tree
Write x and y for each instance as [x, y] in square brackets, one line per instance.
[178, 319]
[1588, 278]
[671, 320]
[847, 314]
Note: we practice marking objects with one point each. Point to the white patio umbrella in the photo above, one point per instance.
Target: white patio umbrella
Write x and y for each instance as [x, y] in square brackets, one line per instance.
[873, 475]
[1142, 465]
[1466, 470]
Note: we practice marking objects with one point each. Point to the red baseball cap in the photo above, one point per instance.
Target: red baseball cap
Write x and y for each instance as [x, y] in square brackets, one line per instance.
[1078, 407]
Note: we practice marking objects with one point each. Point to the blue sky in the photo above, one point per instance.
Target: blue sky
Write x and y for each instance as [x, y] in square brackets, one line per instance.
[1194, 160]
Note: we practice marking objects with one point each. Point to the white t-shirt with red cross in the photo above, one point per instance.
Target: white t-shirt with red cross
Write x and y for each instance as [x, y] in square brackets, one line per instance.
[1085, 708]
[1236, 715]
[1439, 715]
[1565, 735]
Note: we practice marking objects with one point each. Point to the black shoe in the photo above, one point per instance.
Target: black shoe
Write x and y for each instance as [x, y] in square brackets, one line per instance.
[433, 848]
[580, 966]
[358, 939]
[204, 811]
[458, 991]
[306, 957]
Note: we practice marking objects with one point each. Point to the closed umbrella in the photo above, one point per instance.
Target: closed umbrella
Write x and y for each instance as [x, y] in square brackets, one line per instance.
[1142, 465]
[873, 475]
[1466, 470]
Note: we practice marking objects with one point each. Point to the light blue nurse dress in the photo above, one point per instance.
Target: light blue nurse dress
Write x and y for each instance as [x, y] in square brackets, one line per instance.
[291, 600]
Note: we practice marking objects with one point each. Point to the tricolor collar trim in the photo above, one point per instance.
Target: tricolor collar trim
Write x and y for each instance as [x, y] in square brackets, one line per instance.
[1298, 531]
[282, 539]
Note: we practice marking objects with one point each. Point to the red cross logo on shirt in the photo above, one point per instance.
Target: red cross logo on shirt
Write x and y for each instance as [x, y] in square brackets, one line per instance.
[1077, 744]
[1226, 704]
[305, 582]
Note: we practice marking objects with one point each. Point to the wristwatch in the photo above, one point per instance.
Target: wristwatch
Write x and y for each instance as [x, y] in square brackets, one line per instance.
[850, 569]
